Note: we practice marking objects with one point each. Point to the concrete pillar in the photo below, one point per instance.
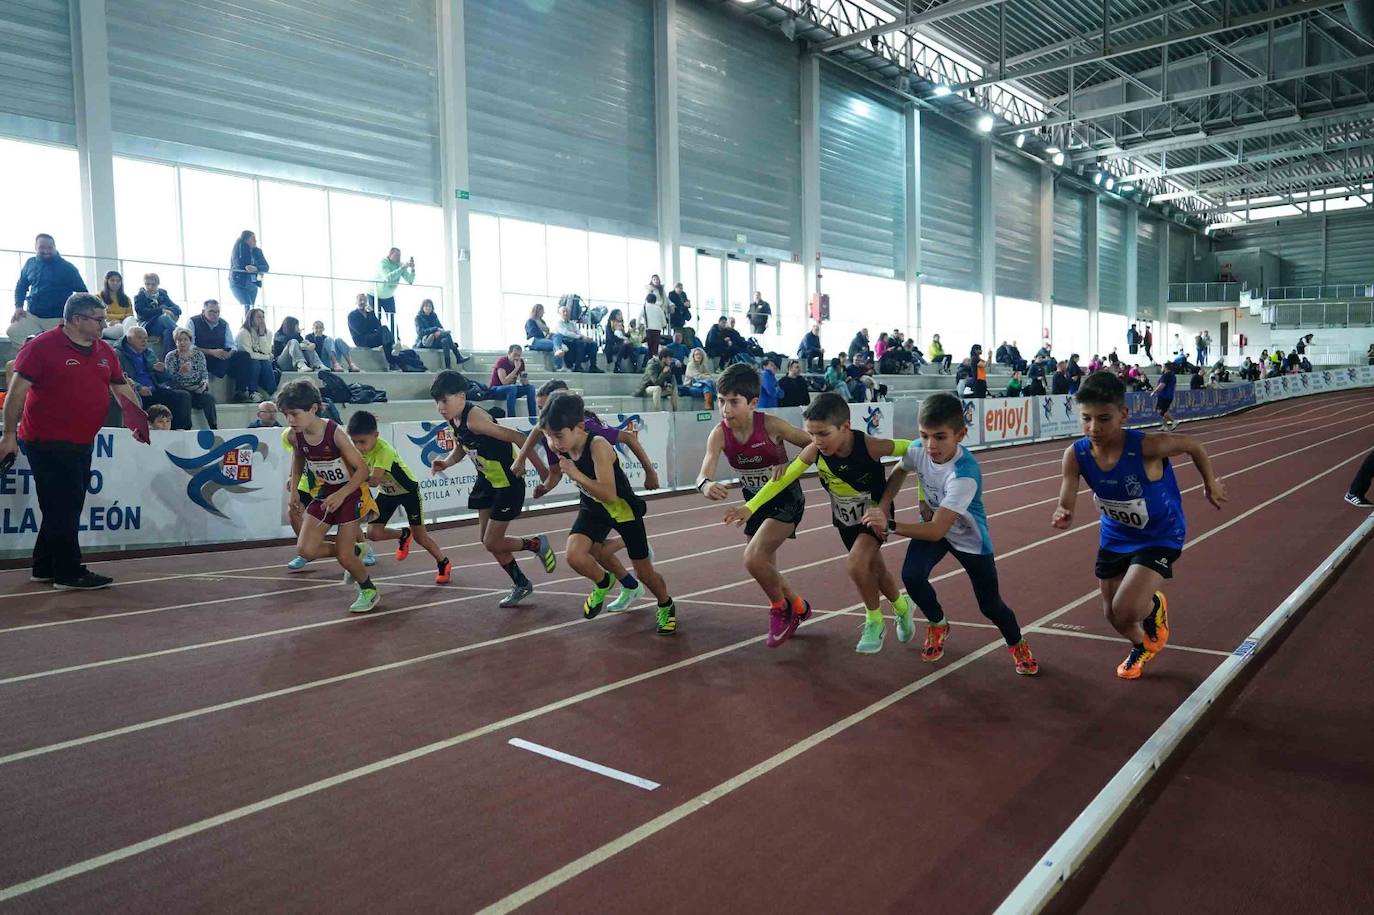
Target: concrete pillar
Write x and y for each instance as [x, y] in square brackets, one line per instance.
[913, 224]
[666, 125]
[1090, 245]
[987, 247]
[1044, 276]
[453, 149]
[94, 133]
[811, 172]
[1132, 268]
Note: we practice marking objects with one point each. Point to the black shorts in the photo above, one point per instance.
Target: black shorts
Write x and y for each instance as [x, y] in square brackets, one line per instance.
[1159, 559]
[787, 506]
[304, 497]
[849, 534]
[1162, 404]
[597, 526]
[505, 503]
[408, 501]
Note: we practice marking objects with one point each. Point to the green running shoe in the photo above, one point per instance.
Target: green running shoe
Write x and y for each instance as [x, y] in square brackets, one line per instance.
[367, 600]
[667, 620]
[906, 630]
[595, 602]
[871, 637]
[626, 597]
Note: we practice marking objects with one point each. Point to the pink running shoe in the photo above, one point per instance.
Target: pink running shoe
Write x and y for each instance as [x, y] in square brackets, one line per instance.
[800, 613]
[780, 625]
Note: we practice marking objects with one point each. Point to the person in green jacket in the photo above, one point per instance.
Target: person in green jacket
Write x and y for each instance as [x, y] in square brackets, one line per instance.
[390, 273]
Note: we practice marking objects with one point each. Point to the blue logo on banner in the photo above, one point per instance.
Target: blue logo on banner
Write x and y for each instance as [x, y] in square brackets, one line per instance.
[224, 465]
[970, 408]
[873, 419]
[435, 441]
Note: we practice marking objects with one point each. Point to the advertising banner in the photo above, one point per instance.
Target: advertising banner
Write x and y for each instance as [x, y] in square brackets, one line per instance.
[1058, 416]
[1005, 420]
[973, 419]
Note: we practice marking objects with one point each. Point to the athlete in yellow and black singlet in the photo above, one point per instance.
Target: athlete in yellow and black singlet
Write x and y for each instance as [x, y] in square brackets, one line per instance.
[855, 484]
[497, 488]
[625, 514]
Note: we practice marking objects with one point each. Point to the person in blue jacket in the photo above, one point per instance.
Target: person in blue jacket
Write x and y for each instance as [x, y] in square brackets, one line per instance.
[45, 283]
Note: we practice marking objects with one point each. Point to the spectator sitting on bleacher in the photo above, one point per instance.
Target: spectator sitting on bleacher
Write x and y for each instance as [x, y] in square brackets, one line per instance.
[616, 344]
[1034, 387]
[1197, 381]
[1014, 385]
[259, 373]
[678, 351]
[1059, 381]
[658, 377]
[213, 336]
[157, 313]
[430, 334]
[118, 306]
[508, 379]
[834, 376]
[720, 343]
[149, 377]
[1220, 374]
[635, 334]
[938, 357]
[266, 418]
[369, 333]
[291, 351]
[1304, 365]
[793, 387]
[45, 283]
[859, 345]
[769, 393]
[698, 380]
[863, 386]
[330, 348]
[186, 372]
[810, 352]
[540, 340]
[680, 308]
[580, 349]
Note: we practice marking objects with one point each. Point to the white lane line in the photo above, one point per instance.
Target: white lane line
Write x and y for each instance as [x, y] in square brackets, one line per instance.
[609, 850]
[1099, 637]
[615, 847]
[581, 763]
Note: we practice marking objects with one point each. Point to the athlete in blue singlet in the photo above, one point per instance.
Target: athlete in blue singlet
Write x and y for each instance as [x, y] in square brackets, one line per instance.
[1143, 528]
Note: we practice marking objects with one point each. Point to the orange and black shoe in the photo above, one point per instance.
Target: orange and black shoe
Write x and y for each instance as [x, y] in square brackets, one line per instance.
[445, 568]
[800, 612]
[1026, 665]
[403, 548]
[934, 647]
[1156, 625]
[1134, 665]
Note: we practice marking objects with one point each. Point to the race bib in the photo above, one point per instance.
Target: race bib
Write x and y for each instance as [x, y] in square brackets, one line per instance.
[330, 473]
[1130, 513]
[754, 480]
[849, 510]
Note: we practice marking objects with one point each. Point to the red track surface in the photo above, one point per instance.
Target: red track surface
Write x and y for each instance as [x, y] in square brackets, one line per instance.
[170, 744]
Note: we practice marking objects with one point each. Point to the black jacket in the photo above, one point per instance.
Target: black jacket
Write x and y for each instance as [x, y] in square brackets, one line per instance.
[147, 308]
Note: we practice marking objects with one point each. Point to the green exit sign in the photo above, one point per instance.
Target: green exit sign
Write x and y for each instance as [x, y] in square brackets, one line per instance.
[705, 416]
[462, 195]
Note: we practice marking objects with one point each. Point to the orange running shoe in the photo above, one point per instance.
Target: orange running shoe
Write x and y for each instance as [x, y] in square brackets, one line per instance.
[934, 648]
[1133, 666]
[1156, 625]
[1026, 665]
[445, 567]
[403, 548]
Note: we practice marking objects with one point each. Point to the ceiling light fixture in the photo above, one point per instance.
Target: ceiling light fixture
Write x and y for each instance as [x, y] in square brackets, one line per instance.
[1097, 178]
[1109, 183]
[985, 123]
[1051, 149]
[942, 90]
[1058, 158]
[1020, 139]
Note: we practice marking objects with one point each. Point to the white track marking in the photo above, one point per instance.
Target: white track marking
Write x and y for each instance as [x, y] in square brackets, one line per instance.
[581, 763]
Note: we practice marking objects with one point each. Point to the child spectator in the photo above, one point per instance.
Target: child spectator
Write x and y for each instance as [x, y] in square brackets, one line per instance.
[159, 418]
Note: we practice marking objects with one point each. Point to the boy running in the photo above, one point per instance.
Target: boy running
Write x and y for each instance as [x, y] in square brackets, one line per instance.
[550, 476]
[954, 522]
[1164, 396]
[607, 503]
[754, 444]
[1143, 528]
[342, 499]
[498, 496]
[306, 491]
[851, 470]
[399, 489]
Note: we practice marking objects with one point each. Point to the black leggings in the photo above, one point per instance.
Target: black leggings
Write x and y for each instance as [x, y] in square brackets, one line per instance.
[1360, 485]
[923, 555]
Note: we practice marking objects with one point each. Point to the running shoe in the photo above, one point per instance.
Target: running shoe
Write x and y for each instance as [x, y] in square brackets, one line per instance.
[667, 620]
[546, 553]
[934, 648]
[1156, 625]
[596, 601]
[364, 551]
[1133, 666]
[800, 613]
[367, 599]
[780, 627]
[86, 581]
[906, 630]
[1026, 665]
[41, 576]
[441, 576]
[626, 597]
[871, 637]
[1358, 501]
[516, 595]
[403, 546]
[297, 564]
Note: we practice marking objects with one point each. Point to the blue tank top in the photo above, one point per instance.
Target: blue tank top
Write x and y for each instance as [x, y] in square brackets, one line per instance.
[1136, 512]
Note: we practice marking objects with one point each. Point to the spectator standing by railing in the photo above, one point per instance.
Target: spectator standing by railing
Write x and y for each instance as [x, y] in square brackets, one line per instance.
[759, 313]
[390, 274]
[56, 404]
[680, 308]
[255, 340]
[655, 288]
[368, 332]
[1132, 340]
[156, 312]
[186, 372]
[46, 282]
[118, 306]
[508, 379]
[655, 321]
[333, 349]
[247, 264]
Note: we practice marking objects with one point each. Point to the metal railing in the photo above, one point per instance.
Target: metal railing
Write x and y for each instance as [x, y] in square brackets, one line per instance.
[1195, 293]
[304, 296]
[1319, 314]
[1310, 293]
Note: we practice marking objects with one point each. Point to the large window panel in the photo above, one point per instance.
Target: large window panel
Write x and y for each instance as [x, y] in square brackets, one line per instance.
[707, 299]
[1018, 322]
[418, 230]
[295, 228]
[40, 193]
[360, 236]
[956, 315]
[524, 257]
[147, 217]
[1111, 334]
[609, 266]
[642, 256]
[861, 301]
[792, 310]
[567, 261]
[488, 317]
[1070, 332]
[215, 208]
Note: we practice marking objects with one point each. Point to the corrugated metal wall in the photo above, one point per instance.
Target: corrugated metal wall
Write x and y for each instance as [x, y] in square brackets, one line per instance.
[1297, 243]
[1180, 253]
[1070, 256]
[1350, 247]
[561, 113]
[1016, 192]
[863, 178]
[37, 101]
[739, 132]
[1149, 233]
[950, 248]
[1111, 254]
[342, 94]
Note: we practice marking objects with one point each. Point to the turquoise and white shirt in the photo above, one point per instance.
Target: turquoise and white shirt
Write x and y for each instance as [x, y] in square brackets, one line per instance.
[956, 485]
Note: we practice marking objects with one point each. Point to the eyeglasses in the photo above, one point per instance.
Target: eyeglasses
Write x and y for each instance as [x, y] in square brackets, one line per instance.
[86, 317]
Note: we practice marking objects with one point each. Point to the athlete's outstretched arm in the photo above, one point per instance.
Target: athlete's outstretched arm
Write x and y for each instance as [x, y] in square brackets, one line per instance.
[1068, 492]
[1168, 445]
[779, 428]
[740, 513]
[706, 480]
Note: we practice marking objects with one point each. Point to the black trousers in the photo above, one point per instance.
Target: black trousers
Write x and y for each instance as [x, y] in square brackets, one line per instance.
[1360, 485]
[923, 555]
[60, 472]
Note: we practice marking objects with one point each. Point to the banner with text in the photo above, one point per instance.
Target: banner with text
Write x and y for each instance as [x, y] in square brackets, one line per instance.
[1006, 420]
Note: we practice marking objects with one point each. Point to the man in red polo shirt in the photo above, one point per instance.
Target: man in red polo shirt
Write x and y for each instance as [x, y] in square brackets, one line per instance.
[62, 384]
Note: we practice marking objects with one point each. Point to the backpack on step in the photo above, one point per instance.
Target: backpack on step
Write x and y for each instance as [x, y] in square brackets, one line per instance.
[410, 361]
[365, 393]
[334, 388]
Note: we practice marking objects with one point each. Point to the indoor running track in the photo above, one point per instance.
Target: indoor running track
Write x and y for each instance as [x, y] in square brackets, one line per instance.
[216, 734]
